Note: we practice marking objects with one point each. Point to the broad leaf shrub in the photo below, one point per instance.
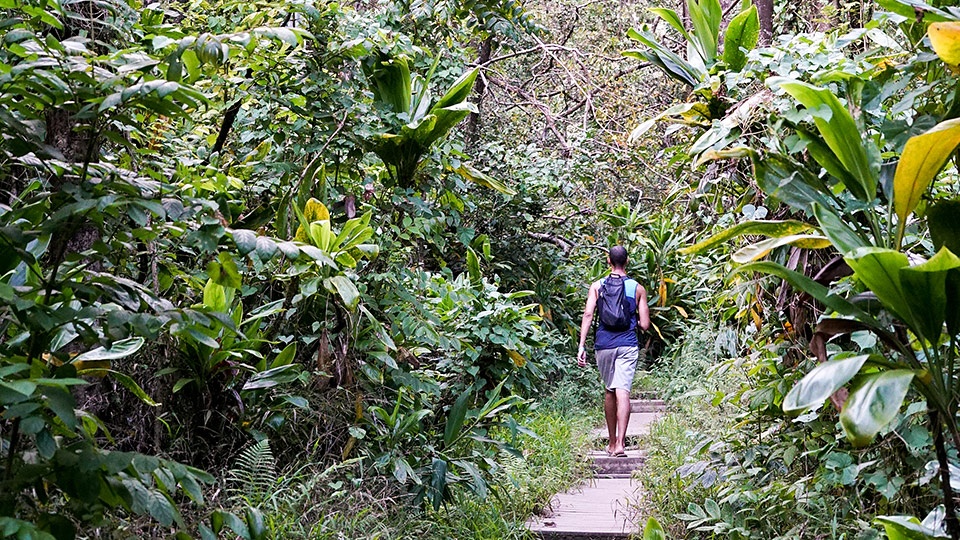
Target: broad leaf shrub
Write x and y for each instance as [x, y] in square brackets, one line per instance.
[831, 160]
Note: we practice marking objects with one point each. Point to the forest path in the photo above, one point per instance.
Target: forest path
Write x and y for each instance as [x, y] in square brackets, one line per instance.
[605, 505]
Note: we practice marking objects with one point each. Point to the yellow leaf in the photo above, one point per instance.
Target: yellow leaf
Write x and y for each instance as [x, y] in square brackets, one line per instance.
[92, 368]
[757, 321]
[682, 311]
[662, 292]
[945, 38]
[518, 359]
[923, 157]
[657, 330]
[313, 211]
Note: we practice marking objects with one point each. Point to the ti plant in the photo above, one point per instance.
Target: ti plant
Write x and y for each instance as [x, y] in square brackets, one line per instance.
[416, 121]
[703, 56]
[903, 292]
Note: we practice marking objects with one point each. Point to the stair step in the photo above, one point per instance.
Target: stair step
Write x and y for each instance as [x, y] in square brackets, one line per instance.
[647, 405]
[599, 508]
[604, 464]
[638, 426]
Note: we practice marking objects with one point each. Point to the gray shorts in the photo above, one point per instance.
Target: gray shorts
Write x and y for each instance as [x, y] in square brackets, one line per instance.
[617, 366]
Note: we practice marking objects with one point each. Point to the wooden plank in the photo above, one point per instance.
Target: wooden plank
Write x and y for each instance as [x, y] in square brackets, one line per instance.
[604, 507]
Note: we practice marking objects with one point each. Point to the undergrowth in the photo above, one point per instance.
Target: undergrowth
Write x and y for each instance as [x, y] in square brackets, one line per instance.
[343, 502]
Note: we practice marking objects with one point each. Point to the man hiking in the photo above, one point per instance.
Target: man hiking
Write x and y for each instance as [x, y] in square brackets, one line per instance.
[621, 304]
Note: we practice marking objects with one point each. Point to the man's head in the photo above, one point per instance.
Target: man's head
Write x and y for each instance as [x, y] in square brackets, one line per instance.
[617, 257]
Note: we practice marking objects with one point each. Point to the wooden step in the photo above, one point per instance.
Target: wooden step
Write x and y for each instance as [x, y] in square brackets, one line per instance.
[601, 508]
[607, 466]
[647, 405]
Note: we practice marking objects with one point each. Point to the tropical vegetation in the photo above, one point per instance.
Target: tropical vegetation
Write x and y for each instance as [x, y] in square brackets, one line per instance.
[309, 269]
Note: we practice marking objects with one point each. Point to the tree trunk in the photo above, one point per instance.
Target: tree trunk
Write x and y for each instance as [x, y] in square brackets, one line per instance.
[473, 121]
[79, 148]
[765, 14]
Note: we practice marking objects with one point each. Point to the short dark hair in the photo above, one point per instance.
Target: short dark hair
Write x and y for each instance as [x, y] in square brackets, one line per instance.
[618, 256]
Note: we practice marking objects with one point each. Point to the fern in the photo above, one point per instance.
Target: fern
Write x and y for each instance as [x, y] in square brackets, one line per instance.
[253, 480]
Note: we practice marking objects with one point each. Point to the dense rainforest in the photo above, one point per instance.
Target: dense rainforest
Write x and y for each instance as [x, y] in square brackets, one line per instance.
[315, 269]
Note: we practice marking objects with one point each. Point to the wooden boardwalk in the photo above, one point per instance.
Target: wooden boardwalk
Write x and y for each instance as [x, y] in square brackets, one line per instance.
[605, 506]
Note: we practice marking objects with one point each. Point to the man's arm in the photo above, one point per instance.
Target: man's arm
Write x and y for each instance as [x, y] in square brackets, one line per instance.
[585, 324]
[643, 311]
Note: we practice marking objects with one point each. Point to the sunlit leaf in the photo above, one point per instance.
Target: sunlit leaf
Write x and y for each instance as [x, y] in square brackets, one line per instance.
[821, 382]
[922, 158]
[518, 359]
[945, 40]
[118, 349]
[653, 530]
[775, 229]
[761, 249]
[127, 382]
[907, 528]
[874, 404]
[483, 179]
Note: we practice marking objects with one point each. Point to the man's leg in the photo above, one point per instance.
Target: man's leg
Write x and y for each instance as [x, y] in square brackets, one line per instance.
[610, 414]
[623, 418]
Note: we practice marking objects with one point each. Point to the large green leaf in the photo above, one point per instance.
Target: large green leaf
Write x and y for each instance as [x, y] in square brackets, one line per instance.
[479, 177]
[927, 298]
[822, 381]
[879, 269]
[459, 91]
[840, 235]
[473, 268]
[653, 530]
[775, 229]
[907, 528]
[392, 85]
[839, 131]
[343, 286]
[438, 482]
[671, 17]
[664, 58]
[874, 404]
[705, 15]
[127, 382]
[447, 118]
[825, 157]
[922, 158]
[458, 413]
[118, 349]
[215, 296]
[742, 35]
[943, 220]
